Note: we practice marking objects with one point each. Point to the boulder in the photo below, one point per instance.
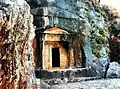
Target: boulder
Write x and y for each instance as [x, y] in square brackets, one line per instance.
[114, 70]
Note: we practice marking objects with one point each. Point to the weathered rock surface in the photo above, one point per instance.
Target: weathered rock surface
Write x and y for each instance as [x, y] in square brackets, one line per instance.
[94, 84]
[41, 84]
[76, 16]
[114, 70]
[16, 34]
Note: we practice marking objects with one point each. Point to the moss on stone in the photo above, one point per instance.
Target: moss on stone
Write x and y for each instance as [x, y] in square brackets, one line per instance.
[97, 40]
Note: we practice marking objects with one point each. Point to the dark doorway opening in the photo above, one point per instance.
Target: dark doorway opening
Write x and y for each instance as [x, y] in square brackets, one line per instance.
[55, 57]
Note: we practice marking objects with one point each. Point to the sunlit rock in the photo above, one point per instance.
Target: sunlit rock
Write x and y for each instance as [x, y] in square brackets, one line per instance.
[16, 34]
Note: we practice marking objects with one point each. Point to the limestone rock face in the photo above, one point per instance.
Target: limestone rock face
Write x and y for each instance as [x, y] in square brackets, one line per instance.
[85, 18]
[16, 34]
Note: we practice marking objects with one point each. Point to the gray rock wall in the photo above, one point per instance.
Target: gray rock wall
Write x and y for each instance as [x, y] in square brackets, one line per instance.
[76, 16]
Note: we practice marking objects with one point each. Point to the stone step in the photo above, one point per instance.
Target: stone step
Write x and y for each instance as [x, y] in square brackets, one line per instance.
[63, 73]
[66, 80]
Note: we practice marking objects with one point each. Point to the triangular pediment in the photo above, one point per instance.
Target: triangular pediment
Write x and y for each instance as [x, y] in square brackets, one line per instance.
[55, 30]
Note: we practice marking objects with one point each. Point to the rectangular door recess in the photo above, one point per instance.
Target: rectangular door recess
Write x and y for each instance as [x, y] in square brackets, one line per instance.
[55, 57]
